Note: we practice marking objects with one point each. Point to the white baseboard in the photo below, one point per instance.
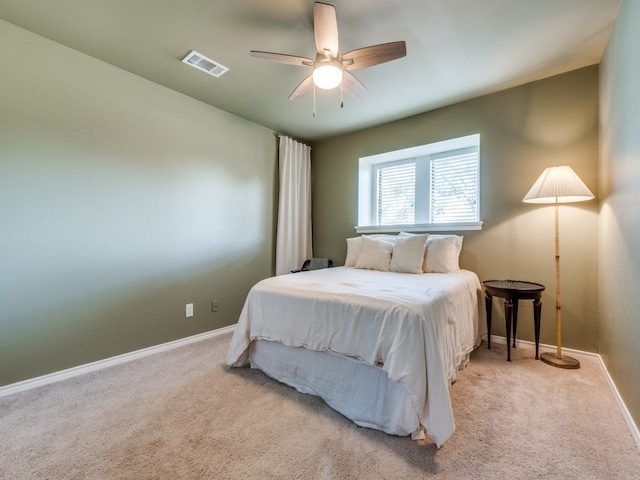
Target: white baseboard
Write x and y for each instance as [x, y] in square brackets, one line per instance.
[633, 428]
[107, 362]
[635, 433]
[543, 347]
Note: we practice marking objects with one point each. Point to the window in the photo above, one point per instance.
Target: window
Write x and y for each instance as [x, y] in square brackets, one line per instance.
[434, 187]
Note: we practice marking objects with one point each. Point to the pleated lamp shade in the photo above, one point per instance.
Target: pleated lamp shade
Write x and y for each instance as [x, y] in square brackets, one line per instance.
[558, 184]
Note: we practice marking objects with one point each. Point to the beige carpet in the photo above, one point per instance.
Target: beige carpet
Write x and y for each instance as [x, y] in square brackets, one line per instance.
[182, 415]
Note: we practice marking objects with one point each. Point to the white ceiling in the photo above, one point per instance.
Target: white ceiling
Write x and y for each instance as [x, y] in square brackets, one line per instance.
[456, 50]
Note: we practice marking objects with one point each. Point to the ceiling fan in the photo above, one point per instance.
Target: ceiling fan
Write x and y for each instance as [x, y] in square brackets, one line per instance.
[330, 69]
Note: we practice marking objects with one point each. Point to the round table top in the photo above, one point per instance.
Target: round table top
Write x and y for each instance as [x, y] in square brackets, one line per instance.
[518, 287]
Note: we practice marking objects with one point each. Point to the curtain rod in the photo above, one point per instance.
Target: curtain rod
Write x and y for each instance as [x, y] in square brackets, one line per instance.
[280, 135]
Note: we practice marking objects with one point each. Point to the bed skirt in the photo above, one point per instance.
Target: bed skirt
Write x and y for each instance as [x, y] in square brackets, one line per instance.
[359, 391]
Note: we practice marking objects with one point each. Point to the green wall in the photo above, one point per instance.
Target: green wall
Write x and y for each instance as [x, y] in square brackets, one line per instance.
[523, 130]
[120, 202]
[619, 212]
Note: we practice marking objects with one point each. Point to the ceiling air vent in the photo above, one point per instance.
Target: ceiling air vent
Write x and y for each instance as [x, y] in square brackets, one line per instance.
[199, 61]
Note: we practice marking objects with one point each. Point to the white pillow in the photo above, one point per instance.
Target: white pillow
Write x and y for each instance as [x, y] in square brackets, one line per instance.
[354, 246]
[385, 237]
[375, 254]
[442, 254]
[408, 254]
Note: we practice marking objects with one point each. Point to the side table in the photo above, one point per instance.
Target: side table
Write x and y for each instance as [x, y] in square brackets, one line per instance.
[512, 291]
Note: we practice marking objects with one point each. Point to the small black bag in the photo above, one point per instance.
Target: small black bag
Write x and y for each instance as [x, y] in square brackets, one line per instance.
[314, 264]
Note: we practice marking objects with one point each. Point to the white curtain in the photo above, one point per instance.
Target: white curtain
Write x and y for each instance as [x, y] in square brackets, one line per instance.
[293, 238]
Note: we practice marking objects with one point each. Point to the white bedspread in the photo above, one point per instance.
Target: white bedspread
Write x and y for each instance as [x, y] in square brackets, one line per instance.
[418, 328]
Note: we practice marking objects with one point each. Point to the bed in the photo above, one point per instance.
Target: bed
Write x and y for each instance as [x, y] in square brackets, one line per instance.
[381, 347]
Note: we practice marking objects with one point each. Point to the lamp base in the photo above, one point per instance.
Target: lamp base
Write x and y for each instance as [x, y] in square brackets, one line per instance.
[564, 362]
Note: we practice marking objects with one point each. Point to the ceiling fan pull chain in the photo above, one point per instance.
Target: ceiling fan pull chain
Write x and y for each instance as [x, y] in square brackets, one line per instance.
[314, 100]
[341, 97]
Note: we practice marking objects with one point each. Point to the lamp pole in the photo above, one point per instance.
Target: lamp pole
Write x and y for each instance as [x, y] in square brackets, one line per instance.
[557, 360]
[558, 304]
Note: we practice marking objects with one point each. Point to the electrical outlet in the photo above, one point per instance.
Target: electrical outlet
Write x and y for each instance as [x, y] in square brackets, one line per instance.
[214, 306]
[189, 310]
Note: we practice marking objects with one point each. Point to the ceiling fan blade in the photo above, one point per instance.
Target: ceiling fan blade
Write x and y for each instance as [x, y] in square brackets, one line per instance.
[282, 58]
[353, 86]
[373, 55]
[325, 28]
[305, 86]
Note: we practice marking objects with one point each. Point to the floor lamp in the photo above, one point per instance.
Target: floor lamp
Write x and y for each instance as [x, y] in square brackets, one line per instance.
[558, 185]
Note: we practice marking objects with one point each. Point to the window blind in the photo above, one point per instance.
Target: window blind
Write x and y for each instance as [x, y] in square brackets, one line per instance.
[454, 188]
[396, 194]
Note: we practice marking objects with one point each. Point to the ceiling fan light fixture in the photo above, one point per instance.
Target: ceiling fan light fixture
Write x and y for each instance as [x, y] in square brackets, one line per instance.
[327, 75]
[330, 69]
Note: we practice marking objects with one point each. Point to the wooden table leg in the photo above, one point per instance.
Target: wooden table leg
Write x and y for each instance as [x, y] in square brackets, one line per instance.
[508, 315]
[537, 309]
[515, 321]
[488, 301]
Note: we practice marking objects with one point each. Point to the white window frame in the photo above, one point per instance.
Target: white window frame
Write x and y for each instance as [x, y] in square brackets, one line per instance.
[367, 188]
